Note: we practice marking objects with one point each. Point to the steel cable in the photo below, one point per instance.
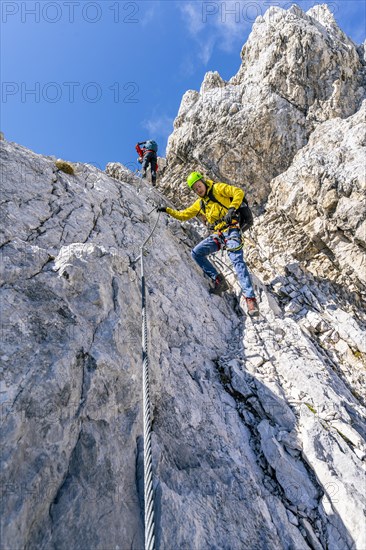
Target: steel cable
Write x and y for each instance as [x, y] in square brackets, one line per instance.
[149, 521]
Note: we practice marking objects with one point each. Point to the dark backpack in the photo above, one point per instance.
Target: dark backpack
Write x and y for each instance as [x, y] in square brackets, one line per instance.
[244, 212]
[151, 145]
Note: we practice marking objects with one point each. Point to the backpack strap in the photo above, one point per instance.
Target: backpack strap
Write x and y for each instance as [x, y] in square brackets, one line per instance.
[212, 197]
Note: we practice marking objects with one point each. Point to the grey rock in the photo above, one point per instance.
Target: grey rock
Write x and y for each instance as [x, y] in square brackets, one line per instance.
[275, 407]
[290, 473]
[292, 518]
[314, 542]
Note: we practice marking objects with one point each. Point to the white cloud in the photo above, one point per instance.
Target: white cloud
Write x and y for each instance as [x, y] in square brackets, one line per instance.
[149, 13]
[206, 49]
[159, 126]
[192, 17]
[216, 24]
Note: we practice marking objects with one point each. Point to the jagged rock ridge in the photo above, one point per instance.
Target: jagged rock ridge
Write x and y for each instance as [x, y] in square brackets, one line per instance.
[297, 71]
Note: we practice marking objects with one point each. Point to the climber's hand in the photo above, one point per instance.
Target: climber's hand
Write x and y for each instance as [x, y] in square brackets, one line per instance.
[228, 218]
[161, 208]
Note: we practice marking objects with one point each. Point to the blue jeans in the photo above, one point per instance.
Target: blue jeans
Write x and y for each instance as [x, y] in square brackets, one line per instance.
[150, 158]
[209, 246]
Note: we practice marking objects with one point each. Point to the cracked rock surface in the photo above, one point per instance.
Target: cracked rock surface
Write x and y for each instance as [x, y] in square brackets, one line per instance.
[258, 440]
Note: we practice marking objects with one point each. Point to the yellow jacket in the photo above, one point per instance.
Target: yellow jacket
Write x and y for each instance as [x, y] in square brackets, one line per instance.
[228, 195]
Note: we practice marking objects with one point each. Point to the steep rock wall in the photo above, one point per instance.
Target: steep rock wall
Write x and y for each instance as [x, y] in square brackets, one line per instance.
[240, 431]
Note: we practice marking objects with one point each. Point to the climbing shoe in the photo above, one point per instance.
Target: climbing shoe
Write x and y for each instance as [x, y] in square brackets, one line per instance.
[220, 285]
[252, 307]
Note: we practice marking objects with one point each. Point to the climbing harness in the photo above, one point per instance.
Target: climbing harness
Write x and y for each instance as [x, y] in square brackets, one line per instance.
[149, 522]
[221, 241]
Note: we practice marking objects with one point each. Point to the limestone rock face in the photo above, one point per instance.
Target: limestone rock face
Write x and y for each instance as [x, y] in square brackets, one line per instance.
[298, 69]
[247, 450]
[323, 193]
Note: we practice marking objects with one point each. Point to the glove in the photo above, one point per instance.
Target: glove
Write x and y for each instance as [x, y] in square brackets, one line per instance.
[161, 209]
[228, 218]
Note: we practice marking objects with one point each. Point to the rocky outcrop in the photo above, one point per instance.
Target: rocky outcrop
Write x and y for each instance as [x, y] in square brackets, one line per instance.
[323, 194]
[298, 70]
[129, 174]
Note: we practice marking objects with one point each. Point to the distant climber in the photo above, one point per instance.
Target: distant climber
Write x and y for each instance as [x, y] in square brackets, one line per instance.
[148, 155]
[219, 203]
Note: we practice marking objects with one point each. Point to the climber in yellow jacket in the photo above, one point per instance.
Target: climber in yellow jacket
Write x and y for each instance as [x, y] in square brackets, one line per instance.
[218, 203]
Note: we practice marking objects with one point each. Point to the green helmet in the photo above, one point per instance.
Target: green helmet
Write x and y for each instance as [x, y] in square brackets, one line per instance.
[192, 178]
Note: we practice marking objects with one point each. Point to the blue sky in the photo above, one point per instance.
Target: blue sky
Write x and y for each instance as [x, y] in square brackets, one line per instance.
[85, 80]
